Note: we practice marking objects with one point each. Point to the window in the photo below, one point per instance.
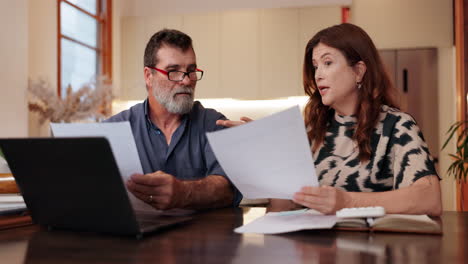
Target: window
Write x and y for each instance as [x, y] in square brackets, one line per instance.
[84, 42]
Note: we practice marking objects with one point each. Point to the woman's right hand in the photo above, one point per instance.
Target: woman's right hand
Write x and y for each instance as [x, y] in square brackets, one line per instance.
[230, 123]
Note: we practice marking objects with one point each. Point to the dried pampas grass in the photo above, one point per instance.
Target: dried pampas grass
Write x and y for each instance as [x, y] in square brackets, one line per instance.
[92, 101]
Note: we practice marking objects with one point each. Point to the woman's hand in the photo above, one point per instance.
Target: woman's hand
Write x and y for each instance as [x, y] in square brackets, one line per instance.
[325, 199]
[229, 123]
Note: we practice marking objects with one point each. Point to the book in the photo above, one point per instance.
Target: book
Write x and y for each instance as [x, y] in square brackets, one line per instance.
[11, 204]
[13, 211]
[289, 221]
[8, 184]
[15, 220]
[392, 223]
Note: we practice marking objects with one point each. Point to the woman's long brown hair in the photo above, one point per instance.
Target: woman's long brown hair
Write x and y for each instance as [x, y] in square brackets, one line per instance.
[376, 89]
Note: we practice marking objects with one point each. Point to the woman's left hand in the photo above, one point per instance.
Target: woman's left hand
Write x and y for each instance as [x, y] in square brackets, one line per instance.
[325, 199]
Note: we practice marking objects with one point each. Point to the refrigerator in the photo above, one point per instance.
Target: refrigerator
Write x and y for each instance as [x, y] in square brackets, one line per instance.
[414, 74]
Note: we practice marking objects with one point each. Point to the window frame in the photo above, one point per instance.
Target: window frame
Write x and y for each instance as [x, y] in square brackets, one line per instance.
[104, 50]
[460, 19]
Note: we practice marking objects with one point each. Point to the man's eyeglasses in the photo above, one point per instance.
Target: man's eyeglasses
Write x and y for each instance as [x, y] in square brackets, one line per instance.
[177, 76]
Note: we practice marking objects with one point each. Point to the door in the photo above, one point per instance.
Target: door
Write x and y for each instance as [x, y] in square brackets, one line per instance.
[414, 73]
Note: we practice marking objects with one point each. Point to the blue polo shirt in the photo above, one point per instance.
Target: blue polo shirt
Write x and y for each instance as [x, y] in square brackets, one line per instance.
[188, 156]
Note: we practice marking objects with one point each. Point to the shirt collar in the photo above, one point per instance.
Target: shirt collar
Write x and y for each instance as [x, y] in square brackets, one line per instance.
[350, 120]
[148, 119]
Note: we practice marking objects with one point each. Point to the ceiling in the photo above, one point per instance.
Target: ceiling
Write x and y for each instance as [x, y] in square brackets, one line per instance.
[173, 7]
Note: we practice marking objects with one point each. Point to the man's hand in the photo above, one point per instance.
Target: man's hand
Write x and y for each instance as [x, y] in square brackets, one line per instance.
[229, 123]
[325, 199]
[159, 189]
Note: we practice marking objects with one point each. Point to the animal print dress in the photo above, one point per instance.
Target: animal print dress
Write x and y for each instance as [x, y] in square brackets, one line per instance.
[399, 157]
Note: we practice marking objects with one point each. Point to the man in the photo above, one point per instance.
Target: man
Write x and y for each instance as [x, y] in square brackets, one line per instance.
[169, 128]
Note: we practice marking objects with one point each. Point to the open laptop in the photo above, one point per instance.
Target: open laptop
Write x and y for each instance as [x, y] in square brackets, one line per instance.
[74, 183]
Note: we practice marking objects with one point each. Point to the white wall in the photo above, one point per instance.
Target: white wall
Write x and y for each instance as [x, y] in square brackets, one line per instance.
[42, 30]
[13, 77]
[396, 24]
[447, 116]
[13, 68]
[42, 46]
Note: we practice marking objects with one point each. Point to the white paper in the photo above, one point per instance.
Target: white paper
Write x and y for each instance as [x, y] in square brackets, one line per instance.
[120, 137]
[4, 169]
[6, 179]
[5, 207]
[11, 198]
[10, 202]
[267, 158]
[276, 223]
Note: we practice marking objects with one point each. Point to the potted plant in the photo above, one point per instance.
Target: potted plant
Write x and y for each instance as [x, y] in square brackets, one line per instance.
[459, 167]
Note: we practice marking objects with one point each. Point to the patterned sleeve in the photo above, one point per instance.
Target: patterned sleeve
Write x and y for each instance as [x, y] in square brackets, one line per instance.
[410, 155]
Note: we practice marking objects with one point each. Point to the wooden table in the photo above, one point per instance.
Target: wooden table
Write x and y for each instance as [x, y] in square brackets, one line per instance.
[209, 238]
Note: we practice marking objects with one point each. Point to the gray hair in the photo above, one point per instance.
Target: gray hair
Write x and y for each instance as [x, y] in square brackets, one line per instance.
[169, 37]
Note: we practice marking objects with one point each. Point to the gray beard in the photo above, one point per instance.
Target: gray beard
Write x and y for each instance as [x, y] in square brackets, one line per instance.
[181, 105]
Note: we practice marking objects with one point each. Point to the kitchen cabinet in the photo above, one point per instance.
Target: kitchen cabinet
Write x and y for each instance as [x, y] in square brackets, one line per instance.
[246, 54]
[414, 73]
[205, 30]
[279, 53]
[240, 67]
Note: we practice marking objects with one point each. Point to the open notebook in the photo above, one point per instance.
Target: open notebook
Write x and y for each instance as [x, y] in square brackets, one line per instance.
[289, 221]
[392, 223]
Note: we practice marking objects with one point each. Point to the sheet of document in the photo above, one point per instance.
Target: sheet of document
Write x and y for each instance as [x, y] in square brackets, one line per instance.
[120, 137]
[4, 169]
[289, 221]
[122, 143]
[11, 198]
[267, 158]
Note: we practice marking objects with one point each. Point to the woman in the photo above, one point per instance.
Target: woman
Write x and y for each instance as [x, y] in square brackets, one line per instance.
[366, 151]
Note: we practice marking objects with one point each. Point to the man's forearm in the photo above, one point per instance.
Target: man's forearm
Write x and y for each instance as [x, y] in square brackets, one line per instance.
[213, 191]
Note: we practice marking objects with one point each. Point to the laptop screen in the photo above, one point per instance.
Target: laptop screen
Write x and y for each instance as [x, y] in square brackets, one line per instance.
[71, 183]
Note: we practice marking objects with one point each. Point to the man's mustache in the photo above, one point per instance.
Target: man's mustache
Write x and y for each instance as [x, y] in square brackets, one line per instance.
[187, 90]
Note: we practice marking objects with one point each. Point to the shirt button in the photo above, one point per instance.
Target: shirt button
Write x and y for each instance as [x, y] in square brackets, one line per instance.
[158, 132]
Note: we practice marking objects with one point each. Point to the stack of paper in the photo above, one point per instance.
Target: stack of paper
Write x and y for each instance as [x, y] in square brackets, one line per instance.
[10, 202]
[4, 169]
[288, 221]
